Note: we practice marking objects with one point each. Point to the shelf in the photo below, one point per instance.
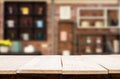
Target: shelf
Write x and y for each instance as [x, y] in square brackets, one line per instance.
[24, 16]
[88, 17]
[21, 53]
[108, 16]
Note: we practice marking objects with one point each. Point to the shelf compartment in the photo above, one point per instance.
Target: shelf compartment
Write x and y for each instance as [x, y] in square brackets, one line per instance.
[40, 35]
[11, 8]
[11, 34]
[26, 21]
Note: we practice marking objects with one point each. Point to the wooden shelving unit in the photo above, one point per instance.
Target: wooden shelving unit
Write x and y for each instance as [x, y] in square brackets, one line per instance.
[105, 43]
[25, 20]
[100, 18]
[65, 37]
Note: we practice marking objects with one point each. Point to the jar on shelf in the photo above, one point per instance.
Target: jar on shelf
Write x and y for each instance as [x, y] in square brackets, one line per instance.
[25, 10]
[88, 40]
[88, 49]
[10, 23]
[98, 40]
[98, 49]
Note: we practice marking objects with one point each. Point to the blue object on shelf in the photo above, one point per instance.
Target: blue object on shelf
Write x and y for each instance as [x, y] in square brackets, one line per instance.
[16, 47]
[39, 23]
[40, 36]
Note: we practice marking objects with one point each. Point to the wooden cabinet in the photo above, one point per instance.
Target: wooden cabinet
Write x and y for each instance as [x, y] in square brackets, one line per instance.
[65, 37]
[98, 44]
[25, 20]
[101, 17]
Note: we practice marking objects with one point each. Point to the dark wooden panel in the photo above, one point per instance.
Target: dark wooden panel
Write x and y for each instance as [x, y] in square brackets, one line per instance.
[7, 76]
[85, 77]
[40, 76]
[115, 76]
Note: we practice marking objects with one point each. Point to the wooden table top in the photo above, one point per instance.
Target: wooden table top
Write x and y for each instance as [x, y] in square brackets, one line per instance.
[10, 64]
[111, 63]
[76, 65]
[43, 65]
[55, 64]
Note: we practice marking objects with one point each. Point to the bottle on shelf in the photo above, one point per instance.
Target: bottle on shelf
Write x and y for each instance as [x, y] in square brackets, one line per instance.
[40, 10]
[98, 40]
[115, 46]
[63, 36]
[12, 36]
[88, 49]
[10, 10]
[88, 40]
[98, 49]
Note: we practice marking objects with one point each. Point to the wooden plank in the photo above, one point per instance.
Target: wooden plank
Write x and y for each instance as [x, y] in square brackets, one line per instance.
[42, 65]
[110, 62]
[10, 64]
[76, 65]
[88, 1]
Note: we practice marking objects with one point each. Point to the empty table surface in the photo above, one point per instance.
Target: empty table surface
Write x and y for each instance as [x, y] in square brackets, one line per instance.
[77, 65]
[110, 62]
[43, 65]
[10, 64]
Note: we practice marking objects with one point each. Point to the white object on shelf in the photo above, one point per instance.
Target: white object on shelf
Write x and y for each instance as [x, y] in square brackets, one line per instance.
[66, 52]
[98, 40]
[10, 23]
[65, 12]
[63, 36]
[88, 49]
[29, 49]
[115, 46]
[98, 49]
[85, 24]
[4, 49]
[25, 36]
[88, 40]
[99, 24]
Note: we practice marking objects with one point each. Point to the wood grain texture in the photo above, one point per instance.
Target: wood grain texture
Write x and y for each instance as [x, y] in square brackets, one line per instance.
[10, 64]
[7, 76]
[42, 65]
[85, 77]
[76, 65]
[110, 62]
[42, 76]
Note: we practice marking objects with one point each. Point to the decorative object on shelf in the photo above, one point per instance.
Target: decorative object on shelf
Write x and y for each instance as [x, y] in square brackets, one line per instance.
[88, 49]
[40, 36]
[98, 40]
[113, 22]
[65, 12]
[4, 46]
[10, 23]
[25, 10]
[29, 49]
[85, 24]
[112, 17]
[12, 36]
[88, 40]
[39, 24]
[99, 24]
[109, 46]
[25, 36]
[115, 46]
[16, 47]
[66, 52]
[99, 49]
[10, 10]
[40, 10]
[63, 36]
